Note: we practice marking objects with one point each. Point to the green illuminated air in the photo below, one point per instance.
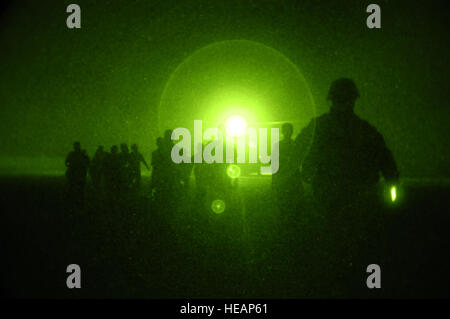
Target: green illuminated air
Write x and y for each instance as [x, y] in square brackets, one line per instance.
[237, 83]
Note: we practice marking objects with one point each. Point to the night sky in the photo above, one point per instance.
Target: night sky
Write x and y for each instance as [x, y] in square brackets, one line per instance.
[102, 84]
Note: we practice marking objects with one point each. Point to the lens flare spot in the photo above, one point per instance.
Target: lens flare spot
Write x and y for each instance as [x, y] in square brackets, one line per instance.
[233, 171]
[218, 206]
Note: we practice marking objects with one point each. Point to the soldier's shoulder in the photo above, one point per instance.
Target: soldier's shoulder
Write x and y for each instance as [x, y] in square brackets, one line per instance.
[322, 117]
[370, 130]
[367, 125]
[318, 120]
[322, 122]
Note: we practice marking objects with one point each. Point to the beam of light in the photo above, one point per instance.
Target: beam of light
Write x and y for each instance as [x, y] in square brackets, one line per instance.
[236, 126]
[393, 193]
[218, 206]
[233, 171]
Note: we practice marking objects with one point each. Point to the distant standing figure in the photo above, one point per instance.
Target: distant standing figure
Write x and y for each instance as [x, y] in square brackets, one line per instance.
[286, 184]
[77, 163]
[111, 170]
[96, 167]
[166, 176]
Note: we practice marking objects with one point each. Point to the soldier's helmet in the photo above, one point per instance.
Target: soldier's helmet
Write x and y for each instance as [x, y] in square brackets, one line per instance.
[343, 91]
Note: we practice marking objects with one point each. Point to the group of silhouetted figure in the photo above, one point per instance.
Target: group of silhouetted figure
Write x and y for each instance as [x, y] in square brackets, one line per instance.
[119, 173]
[340, 155]
[116, 172]
[170, 181]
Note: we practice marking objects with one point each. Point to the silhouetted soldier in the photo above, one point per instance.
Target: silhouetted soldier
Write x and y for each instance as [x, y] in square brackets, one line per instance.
[165, 177]
[286, 184]
[169, 188]
[111, 171]
[96, 167]
[343, 157]
[77, 163]
[136, 159]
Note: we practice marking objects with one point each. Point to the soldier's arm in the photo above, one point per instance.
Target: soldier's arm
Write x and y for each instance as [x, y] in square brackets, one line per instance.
[387, 163]
[303, 142]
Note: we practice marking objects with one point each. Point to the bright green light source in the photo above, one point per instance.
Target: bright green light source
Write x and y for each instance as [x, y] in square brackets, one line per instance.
[218, 206]
[236, 126]
[393, 193]
[233, 171]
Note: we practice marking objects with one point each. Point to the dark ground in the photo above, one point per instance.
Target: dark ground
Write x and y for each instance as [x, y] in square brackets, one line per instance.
[131, 250]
